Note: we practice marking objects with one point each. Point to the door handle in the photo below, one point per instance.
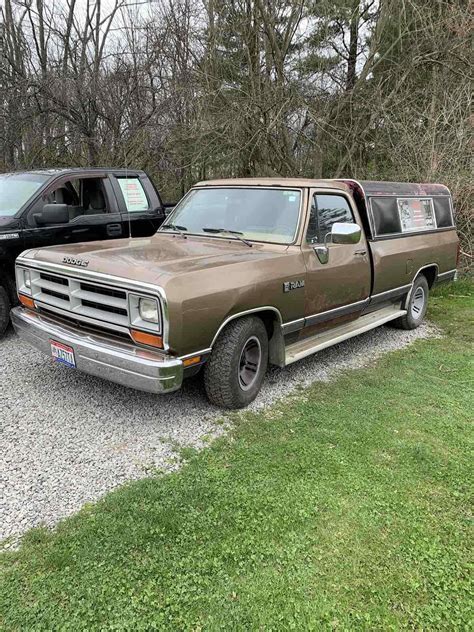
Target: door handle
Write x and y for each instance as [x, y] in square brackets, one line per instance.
[114, 229]
[361, 253]
[322, 253]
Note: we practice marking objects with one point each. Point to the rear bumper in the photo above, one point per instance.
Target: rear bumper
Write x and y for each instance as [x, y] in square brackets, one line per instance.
[114, 360]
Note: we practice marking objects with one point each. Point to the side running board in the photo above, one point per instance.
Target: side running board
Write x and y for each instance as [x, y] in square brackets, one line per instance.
[308, 346]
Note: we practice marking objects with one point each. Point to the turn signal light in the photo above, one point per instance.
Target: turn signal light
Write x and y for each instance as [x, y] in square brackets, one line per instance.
[146, 339]
[27, 301]
[191, 361]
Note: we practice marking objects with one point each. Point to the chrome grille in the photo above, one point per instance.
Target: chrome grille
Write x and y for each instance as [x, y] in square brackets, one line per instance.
[86, 299]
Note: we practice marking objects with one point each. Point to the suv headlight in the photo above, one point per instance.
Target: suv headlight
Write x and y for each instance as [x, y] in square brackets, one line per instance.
[148, 310]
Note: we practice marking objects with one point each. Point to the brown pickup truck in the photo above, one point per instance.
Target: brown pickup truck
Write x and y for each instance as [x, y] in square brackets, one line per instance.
[243, 273]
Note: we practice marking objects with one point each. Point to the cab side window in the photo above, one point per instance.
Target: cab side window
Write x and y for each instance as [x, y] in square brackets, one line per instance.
[67, 193]
[93, 196]
[83, 196]
[326, 209]
[133, 194]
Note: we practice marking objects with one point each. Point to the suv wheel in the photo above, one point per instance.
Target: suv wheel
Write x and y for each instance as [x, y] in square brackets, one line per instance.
[4, 310]
[235, 370]
[416, 307]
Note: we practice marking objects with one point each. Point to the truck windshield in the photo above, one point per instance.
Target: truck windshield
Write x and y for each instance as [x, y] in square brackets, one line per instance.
[269, 215]
[16, 189]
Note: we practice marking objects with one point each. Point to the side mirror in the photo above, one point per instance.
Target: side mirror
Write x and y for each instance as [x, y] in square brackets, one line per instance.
[341, 233]
[345, 233]
[53, 214]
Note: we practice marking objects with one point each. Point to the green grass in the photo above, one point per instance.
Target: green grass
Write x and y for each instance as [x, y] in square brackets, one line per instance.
[346, 507]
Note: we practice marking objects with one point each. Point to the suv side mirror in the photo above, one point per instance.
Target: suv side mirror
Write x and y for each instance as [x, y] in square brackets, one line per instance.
[345, 233]
[53, 214]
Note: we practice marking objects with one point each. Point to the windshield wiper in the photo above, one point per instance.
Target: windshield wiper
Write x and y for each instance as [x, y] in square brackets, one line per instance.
[176, 227]
[236, 233]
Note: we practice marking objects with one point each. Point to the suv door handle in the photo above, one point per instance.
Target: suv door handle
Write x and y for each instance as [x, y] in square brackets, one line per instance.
[114, 229]
[360, 252]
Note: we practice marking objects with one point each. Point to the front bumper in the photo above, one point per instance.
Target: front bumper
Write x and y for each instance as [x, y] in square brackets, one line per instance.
[114, 360]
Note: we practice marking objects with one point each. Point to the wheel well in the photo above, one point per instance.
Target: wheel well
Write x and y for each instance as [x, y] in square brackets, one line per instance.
[276, 343]
[430, 273]
[271, 320]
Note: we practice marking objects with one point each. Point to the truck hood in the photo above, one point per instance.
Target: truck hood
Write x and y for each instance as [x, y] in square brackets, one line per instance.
[154, 259]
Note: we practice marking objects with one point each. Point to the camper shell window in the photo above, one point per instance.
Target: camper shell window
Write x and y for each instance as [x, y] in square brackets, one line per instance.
[396, 209]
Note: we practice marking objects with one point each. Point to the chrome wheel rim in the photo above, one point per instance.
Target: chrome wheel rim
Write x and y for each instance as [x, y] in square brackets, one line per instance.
[418, 303]
[249, 363]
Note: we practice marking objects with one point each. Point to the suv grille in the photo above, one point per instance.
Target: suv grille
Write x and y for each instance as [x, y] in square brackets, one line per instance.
[90, 300]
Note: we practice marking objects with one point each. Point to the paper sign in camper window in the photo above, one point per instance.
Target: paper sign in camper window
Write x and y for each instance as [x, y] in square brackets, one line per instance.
[416, 214]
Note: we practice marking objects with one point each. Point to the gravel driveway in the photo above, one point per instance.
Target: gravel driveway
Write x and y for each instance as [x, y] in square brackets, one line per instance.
[66, 438]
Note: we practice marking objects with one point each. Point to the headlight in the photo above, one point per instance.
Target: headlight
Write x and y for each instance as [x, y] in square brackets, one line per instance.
[145, 313]
[23, 280]
[148, 310]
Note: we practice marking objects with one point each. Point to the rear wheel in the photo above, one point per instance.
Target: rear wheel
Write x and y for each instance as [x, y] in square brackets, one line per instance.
[235, 370]
[4, 310]
[416, 307]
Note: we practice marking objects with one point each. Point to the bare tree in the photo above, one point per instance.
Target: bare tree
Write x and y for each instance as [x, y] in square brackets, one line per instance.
[190, 90]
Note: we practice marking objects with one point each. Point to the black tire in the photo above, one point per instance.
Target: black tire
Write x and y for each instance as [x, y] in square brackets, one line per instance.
[5, 306]
[10, 285]
[416, 307]
[229, 380]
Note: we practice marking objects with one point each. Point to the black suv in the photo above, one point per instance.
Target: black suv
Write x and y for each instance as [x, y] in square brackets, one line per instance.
[57, 206]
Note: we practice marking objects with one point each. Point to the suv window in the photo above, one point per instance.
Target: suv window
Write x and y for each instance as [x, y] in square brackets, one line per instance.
[93, 196]
[325, 211]
[83, 196]
[133, 194]
[16, 189]
[66, 193]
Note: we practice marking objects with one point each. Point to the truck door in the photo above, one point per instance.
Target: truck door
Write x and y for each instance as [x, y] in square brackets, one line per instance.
[336, 290]
[139, 203]
[90, 213]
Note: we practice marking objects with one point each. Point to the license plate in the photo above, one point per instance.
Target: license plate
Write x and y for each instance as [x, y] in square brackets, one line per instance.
[63, 353]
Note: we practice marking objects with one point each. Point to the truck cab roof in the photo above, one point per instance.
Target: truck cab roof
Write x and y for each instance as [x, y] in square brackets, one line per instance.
[368, 187]
[74, 170]
[274, 182]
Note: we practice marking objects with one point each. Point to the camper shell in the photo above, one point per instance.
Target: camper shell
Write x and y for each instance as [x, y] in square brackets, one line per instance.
[382, 205]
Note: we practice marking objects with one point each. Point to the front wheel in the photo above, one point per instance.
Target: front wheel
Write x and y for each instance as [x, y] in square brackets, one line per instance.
[235, 370]
[416, 307]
